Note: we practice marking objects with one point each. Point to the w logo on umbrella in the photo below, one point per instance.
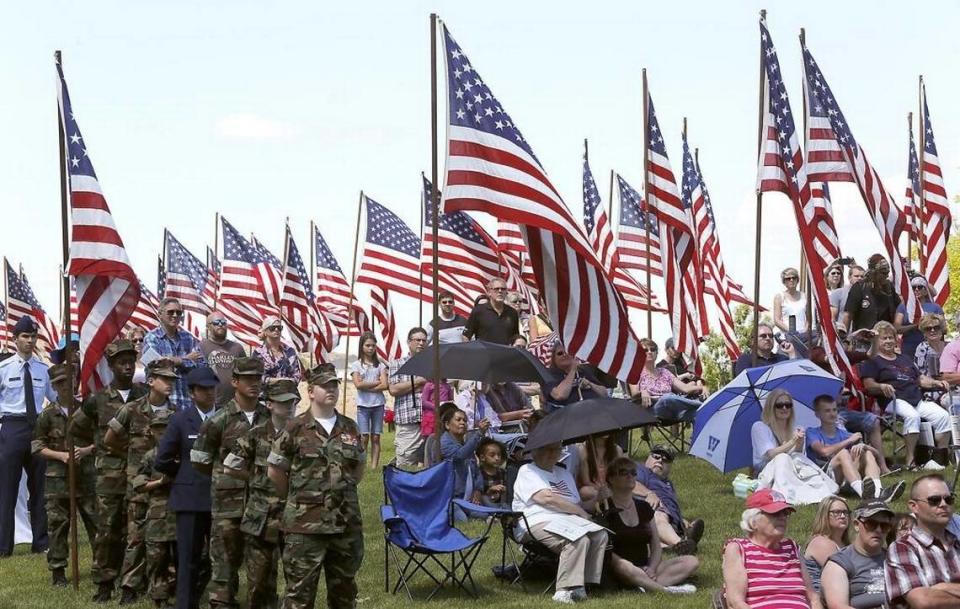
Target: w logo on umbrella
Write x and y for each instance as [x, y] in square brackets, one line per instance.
[712, 443]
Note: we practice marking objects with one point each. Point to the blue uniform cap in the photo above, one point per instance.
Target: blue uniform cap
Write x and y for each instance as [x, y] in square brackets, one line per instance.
[202, 377]
[26, 325]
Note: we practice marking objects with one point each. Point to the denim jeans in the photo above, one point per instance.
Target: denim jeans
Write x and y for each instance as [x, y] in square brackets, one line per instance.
[673, 407]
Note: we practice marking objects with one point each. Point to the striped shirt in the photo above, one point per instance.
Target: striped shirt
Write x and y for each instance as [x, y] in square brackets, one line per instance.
[774, 576]
[919, 561]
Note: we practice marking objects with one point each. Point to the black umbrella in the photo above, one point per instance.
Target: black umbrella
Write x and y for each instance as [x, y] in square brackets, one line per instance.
[479, 360]
[578, 421]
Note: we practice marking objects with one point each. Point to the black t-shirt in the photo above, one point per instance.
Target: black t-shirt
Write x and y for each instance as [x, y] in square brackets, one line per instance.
[486, 324]
[576, 394]
[900, 373]
[866, 307]
[633, 543]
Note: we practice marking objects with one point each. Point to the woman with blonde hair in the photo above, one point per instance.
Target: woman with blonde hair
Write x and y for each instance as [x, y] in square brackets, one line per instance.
[831, 533]
[833, 277]
[927, 357]
[791, 302]
[280, 361]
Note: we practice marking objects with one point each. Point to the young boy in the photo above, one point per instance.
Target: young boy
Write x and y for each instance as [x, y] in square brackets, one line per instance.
[490, 486]
[50, 442]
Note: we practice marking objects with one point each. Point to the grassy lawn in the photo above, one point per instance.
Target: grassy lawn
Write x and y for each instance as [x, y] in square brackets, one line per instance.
[704, 493]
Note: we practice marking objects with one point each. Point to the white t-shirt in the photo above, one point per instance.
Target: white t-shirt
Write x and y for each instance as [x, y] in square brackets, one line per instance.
[368, 399]
[249, 416]
[530, 480]
[124, 393]
[763, 440]
[327, 423]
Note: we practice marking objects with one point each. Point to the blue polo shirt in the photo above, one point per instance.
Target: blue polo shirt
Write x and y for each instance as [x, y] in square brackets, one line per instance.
[661, 488]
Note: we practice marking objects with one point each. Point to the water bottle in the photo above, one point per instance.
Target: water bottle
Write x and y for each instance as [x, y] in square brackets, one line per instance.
[955, 416]
[933, 364]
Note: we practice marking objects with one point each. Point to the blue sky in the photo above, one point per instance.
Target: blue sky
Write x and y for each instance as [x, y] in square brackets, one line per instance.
[265, 111]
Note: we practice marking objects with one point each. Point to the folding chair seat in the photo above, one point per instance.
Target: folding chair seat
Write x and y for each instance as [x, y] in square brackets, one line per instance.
[536, 559]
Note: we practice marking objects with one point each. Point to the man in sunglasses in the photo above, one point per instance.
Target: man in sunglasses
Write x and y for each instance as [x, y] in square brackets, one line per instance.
[765, 354]
[923, 567]
[172, 342]
[654, 486]
[853, 577]
[219, 351]
[450, 324]
[493, 320]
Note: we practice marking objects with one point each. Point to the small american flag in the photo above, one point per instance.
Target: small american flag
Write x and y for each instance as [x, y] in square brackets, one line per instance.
[937, 219]
[4, 335]
[185, 276]
[107, 287]
[824, 231]
[333, 291]
[213, 279]
[145, 315]
[911, 205]
[309, 327]
[388, 347]
[637, 228]
[20, 302]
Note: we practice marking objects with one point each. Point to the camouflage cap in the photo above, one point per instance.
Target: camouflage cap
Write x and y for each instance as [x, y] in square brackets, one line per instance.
[59, 372]
[282, 390]
[120, 346]
[247, 366]
[162, 367]
[323, 374]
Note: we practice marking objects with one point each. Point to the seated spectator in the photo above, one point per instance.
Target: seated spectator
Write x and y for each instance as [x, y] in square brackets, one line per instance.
[490, 486]
[927, 355]
[912, 333]
[764, 569]
[845, 454]
[509, 402]
[872, 300]
[545, 492]
[654, 486]
[853, 577]
[570, 453]
[902, 526]
[571, 382]
[636, 556]
[667, 394]
[674, 361]
[428, 405]
[831, 525]
[897, 384]
[838, 296]
[765, 354]
[595, 454]
[923, 567]
[790, 305]
[459, 445]
[519, 341]
[950, 359]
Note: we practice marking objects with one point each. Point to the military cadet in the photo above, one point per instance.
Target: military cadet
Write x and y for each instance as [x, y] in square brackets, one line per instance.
[111, 484]
[216, 440]
[131, 428]
[317, 463]
[50, 442]
[261, 516]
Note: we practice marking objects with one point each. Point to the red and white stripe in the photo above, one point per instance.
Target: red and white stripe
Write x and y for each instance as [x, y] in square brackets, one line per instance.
[48, 335]
[937, 219]
[310, 329]
[826, 242]
[388, 347]
[145, 315]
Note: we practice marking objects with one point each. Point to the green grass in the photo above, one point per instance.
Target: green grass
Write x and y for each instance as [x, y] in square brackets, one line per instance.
[704, 493]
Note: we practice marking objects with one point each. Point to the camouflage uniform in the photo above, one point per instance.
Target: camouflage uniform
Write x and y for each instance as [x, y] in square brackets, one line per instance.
[321, 520]
[51, 432]
[160, 532]
[216, 439]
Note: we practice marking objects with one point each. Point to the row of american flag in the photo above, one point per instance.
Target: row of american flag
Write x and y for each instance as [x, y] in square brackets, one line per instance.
[585, 276]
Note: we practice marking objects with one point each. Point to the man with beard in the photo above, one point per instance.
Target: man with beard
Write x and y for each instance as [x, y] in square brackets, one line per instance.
[219, 351]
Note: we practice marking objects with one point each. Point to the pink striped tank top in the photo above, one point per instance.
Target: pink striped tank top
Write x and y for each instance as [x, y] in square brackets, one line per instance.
[774, 579]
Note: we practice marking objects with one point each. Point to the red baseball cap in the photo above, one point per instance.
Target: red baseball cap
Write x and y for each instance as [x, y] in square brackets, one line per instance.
[768, 501]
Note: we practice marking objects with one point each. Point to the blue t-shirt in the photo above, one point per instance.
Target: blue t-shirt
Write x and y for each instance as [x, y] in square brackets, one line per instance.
[913, 338]
[663, 489]
[816, 434]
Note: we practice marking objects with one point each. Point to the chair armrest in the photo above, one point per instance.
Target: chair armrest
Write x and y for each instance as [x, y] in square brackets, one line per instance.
[388, 514]
[482, 509]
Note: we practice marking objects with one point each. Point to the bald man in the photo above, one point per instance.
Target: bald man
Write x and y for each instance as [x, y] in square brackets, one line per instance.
[219, 351]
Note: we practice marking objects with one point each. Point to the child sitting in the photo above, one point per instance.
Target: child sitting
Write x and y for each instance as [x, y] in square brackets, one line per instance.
[490, 486]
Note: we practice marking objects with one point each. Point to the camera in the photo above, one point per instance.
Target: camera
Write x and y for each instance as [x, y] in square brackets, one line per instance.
[845, 261]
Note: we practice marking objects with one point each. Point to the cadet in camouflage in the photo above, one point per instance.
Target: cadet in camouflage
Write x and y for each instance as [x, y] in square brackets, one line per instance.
[261, 515]
[111, 467]
[216, 440]
[317, 463]
[131, 427]
[50, 442]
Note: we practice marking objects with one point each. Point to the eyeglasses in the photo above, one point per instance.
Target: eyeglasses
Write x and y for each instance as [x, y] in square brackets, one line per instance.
[661, 457]
[275, 328]
[791, 278]
[626, 472]
[764, 335]
[175, 312]
[220, 323]
[840, 513]
[783, 405]
[935, 500]
[872, 525]
[498, 289]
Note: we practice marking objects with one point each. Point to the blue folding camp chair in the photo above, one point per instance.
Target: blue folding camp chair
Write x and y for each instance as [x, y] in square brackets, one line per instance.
[417, 520]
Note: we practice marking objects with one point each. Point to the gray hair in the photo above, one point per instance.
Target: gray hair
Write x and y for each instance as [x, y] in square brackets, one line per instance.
[167, 300]
[748, 520]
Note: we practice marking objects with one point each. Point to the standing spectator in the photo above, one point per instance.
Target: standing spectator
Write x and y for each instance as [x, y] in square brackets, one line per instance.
[833, 277]
[369, 376]
[831, 533]
[450, 323]
[666, 393]
[407, 409]
[171, 341]
[654, 486]
[493, 320]
[912, 334]
[136, 335]
[280, 361]
[571, 382]
[791, 302]
[853, 577]
[220, 351]
[765, 354]
[927, 356]
[519, 341]
[923, 568]
[24, 382]
[674, 361]
[838, 297]
[872, 300]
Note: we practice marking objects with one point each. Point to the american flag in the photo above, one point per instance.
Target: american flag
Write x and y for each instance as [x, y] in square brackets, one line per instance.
[107, 287]
[824, 156]
[309, 327]
[20, 302]
[333, 291]
[937, 219]
[824, 231]
[388, 347]
[777, 103]
[213, 279]
[911, 205]
[249, 274]
[74, 310]
[185, 276]
[708, 244]
[145, 315]
[638, 228]
[274, 278]
[4, 335]
[886, 215]
[491, 167]
[514, 253]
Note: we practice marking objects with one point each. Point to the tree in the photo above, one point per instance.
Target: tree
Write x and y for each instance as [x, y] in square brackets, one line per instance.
[952, 306]
[717, 367]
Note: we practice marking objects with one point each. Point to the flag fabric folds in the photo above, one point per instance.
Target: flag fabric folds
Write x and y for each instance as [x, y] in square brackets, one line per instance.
[246, 285]
[911, 202]
[388, 347]
[824, 231]
[146, 314]
[937, 220]
[638, 228]
[309, 327]
[185, 276]
[333, 291]
[21, 301]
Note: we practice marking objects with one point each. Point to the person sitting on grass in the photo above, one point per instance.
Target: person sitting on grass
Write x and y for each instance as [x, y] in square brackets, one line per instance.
[490, 484]
[654, 486]
[636, 555]
[595, 455]
[831, 526]
[845, 454]
[853, 577]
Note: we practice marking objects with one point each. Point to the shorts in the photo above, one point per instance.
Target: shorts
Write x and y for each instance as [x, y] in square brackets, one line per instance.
[370, 419]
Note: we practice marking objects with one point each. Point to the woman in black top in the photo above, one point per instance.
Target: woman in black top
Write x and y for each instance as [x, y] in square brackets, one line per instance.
[636, 558]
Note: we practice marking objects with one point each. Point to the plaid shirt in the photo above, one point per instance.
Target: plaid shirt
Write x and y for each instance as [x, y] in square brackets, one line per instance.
[406, 408]
[181, 347]
[920, 561]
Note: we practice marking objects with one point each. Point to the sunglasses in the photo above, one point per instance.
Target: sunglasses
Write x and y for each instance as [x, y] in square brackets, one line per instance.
[872, 525]
[783, 405]
[931, 329]
[446, 302]
[661, 457]
[840, 513]
[136, 340]
[764, 335]
[935, 500]
[175, 312]
[220, 323]
[919, 287]
[651, 349]
[275, 328]
[791, 278]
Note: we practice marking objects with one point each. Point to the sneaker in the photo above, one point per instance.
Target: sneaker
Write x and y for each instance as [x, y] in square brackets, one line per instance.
[892, 493]
[933, 466]
[695, 532]
[870, 490]
[684, 547]
[680, 589]
[578, 594]
[563, 596]
[641, 590]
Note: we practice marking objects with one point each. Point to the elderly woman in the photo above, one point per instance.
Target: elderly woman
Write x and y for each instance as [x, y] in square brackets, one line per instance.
[898, 385]
[927, 357]
[545, 492]
[831, 533]
[912, 332]
[280, 361]
[667, 393]
[571, 382]
[764, 568]
[636, 558]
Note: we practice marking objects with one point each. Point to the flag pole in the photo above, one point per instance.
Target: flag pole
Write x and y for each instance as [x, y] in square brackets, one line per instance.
[350, 309]
[312, 279]
[920, 211]
[610, 207]
[913, 203]
[6, 306]
[420, 266]
[435, 198]
[216, 253]
[758, 228]
[645, 210]
[806, 279]
[65, 241]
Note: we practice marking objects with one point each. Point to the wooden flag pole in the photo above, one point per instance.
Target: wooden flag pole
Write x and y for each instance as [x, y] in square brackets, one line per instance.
[435, 198]
[420, 266]
[350, 310]
[312, 279]
[913, 203]
[758, 227]
[919, 211]
[645, 210]
[610, 208]
[806, 279]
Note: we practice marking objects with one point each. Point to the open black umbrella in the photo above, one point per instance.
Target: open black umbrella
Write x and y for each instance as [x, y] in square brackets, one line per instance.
[578, 421]
[479, 360]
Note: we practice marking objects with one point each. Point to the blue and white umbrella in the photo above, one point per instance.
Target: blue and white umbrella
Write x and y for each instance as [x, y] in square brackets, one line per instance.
[721, 431]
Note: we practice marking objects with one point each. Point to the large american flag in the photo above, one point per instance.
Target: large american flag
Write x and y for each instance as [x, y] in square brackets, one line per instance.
[333, 291]
[514, 253]
[185, 276]
[213, 279]
[310, 329]
[490, 167]
[824, 160]
[274, 278]
[388, 347]
[21, 302]
[885, 213]
[107, 287]
[245, 278]
[911, 203]
[937, 219]
[639, 232]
